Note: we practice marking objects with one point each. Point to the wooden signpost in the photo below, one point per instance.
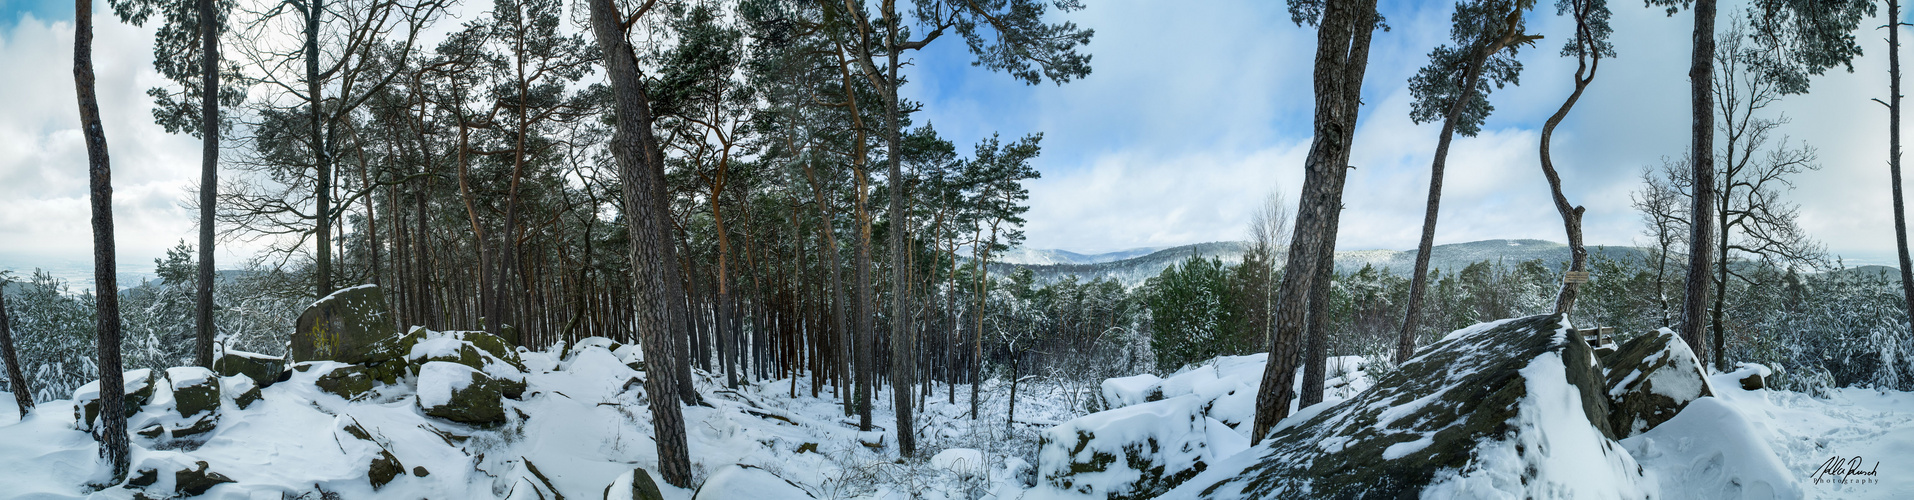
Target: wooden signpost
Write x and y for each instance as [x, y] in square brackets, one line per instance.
[1576, 277]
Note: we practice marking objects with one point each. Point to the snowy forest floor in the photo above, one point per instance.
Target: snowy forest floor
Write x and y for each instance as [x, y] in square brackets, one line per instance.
[583, 425]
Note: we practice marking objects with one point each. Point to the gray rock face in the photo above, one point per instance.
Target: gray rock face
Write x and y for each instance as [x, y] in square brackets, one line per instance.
[347, 382]
[86, 399]
[345, 327]
[1483, 407]
[1650, 379]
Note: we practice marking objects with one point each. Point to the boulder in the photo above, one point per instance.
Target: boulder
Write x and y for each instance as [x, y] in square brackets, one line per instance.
[263, 369]
[350, 381]
[1650, 379]
[634, 485]
[242, 389]
[1134, 452]
[195, 481]
[499, 362]
[383, 469]
[195, 390]
[745, 481]
[459, 393]
[1507, 409]
[345, 327]
[138, 385]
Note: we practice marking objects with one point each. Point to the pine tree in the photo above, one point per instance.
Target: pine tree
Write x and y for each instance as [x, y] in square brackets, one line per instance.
[112, 429]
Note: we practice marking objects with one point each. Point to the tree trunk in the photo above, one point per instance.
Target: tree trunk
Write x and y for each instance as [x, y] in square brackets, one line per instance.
[1320, 194]
[640, 172]
[1701, 159]
[1411, 320]
[903, 366]
[1571, 215]
[1894, 149]
[1316, 347]
[111, 431]
[16, 380]
[208, 178]
[322, 189]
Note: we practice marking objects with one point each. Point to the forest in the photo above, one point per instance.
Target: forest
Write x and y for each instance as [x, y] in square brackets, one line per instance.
[738, 188]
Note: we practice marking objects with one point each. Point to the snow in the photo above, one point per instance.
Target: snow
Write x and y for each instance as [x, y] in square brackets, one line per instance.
[244, 354]
[1125, 391]
[186, 376]
[438, 380]
[733, 481]
[959, 460]
[1710, 450]
[584, 425]
[1176, 425]
[1555, 453]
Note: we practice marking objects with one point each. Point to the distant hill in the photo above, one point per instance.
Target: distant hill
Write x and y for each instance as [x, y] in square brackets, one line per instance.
[1047, 257]
[1133, 271]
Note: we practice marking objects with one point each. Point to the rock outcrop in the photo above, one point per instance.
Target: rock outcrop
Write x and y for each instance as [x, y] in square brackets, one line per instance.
[1513, 408]
[345, 327]
[459, 393]
[1650, 379]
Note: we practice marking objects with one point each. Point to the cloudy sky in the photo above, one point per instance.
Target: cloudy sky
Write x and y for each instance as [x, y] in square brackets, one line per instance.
[1195, 111]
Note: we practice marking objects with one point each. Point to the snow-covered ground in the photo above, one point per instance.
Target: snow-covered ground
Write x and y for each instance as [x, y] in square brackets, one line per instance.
[582, 426]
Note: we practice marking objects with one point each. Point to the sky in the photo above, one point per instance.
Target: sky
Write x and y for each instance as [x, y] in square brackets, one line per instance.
[1193, 114]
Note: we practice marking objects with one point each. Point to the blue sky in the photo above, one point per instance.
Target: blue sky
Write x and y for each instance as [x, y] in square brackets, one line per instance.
[1194, 112]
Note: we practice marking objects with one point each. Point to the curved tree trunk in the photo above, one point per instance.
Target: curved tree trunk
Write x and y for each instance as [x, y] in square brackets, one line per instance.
[1571, 215]
[1316, 346]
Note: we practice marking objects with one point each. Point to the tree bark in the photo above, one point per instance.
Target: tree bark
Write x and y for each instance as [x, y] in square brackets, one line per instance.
[1701, 159]
[903, 366]
[111, 431]
[1894, 148]
[208, 178]
[1587, 62]
[16, 380]
[639, 170]
[1316, 347]
[1412, 318]
[1320, 194]
[322, 189]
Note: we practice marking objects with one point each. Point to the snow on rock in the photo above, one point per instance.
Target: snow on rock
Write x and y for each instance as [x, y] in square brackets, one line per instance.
[1650, 379]
[1132, 390]
[1137, 451]
[438, 380]
[746, 481]
[1509, 409]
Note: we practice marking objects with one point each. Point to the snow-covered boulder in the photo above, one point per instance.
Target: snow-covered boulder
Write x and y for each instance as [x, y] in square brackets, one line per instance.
[1132, 390]
[138, 387]
[960, 461]
[195, 399]
[459, 393]
[173, 472]
[1650, 379]
[1509, 409]
[263, 369]
[1137, 451]
[345, 326]
[633, 485]
[241, 389]
[744, 481]
[478, 350]
[348, 381]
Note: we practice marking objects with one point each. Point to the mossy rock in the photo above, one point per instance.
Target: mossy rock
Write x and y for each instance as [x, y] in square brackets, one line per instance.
[502, 348]
[195, 481]
[199, 426]
[195, 390]
[1459, 394]
[348, 382]
[138, 386]
[345, 327]
[244, 392]
[643, 488]
[144, 478]
[1650, 379]
[383, 469]
[1167, 445]
[263, 369]
[460, 393]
